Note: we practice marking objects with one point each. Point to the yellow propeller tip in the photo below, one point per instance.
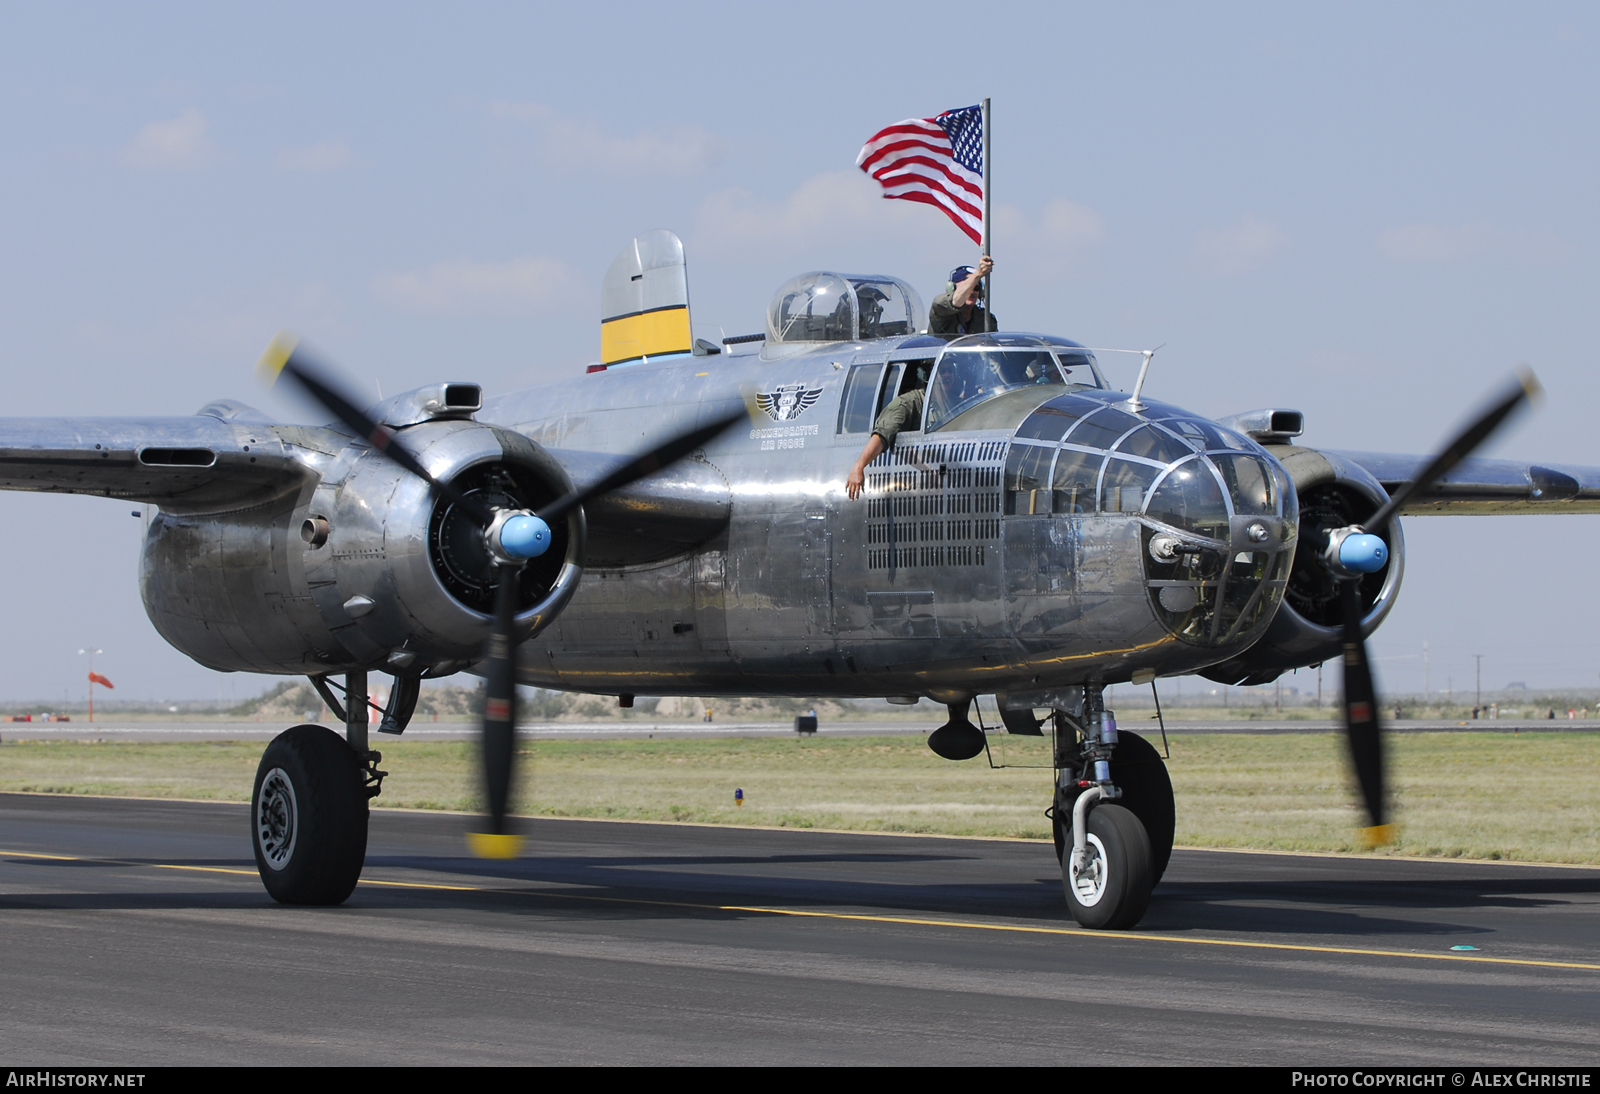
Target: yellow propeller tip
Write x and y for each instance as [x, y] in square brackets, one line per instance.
[275, 357]
[1378, 835]
[1530, 383]
[494, 845]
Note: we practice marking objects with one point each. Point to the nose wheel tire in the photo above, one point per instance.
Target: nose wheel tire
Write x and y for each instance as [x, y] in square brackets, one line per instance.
[308, 817]
[1139, 772]
[1110, 889]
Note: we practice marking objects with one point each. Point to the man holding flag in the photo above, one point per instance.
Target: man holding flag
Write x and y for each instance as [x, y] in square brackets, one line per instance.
[943, 161]
[959, 309]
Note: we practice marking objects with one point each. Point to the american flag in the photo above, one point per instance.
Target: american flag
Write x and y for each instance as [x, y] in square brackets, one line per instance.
[937, 160]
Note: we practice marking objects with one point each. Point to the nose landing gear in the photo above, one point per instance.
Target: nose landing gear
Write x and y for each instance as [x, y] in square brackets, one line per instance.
[1108, 885]
[1113, 816]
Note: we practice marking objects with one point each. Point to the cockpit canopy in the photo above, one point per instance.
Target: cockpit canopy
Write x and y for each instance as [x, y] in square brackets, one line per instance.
[980, 367]
[834, 307]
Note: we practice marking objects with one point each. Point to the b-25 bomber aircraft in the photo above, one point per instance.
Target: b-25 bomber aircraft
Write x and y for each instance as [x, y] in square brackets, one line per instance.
[1037, 536]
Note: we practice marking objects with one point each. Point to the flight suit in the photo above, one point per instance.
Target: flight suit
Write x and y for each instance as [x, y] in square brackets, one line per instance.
[944, 318]
[903, 412]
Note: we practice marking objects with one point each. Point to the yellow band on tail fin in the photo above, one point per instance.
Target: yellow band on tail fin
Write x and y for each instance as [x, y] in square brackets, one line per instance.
[644, 301]
[650, 334]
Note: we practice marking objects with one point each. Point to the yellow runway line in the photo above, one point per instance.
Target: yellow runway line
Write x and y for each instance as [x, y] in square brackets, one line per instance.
[1078, 932]
[913, 921]
[129, 862]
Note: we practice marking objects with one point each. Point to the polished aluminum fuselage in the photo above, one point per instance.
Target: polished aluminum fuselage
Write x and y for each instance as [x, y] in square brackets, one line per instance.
[745, 569]
[799, 595]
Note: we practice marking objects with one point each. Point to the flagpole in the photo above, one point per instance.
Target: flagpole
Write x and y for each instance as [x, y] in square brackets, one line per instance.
[988, 302]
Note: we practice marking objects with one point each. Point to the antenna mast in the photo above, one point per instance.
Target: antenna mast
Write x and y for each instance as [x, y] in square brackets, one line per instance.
[1133, 402]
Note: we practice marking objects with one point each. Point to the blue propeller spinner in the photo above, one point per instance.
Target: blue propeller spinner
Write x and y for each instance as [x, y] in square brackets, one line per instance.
[1363, 552]
[525, 536]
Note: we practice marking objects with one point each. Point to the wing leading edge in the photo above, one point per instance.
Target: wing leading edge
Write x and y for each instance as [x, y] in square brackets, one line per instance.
[1482, 487]
[195, 463]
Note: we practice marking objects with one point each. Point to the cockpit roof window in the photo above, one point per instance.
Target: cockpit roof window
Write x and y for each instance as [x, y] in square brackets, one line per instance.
[887, 308]
[822, 306]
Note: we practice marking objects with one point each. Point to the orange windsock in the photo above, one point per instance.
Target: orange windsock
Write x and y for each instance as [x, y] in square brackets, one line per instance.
[96, 678]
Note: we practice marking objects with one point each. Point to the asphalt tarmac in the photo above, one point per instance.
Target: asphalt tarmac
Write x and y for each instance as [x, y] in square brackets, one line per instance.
[136, 932]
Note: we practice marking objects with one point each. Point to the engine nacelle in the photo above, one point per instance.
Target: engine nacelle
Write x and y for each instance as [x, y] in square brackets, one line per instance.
[1309, 627]
[362, 568]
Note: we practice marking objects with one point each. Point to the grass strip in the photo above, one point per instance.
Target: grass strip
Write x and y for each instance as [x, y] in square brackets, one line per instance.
[1527, 796]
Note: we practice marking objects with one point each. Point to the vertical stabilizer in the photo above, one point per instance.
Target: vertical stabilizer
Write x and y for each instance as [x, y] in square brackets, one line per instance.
[644, 302]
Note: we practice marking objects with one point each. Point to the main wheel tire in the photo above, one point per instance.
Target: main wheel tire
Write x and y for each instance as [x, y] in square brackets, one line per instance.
[1112, 889]
[308, 817]
[1139, 772]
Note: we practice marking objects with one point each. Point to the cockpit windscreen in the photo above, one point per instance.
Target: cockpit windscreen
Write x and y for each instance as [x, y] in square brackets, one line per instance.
[966, 377]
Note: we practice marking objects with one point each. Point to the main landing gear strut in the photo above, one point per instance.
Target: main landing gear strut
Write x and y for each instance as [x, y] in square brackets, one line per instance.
[308, 814]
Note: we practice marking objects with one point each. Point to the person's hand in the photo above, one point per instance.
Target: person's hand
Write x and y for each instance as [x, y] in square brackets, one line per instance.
[856, 481]
[985, 265]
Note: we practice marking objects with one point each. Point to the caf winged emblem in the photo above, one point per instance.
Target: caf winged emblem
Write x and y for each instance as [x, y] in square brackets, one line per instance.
[788, 402]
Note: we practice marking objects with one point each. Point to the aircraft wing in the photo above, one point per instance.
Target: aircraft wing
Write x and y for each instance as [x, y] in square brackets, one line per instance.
[670, 513]
[1487, 487]
[199, 462]
[206, 462]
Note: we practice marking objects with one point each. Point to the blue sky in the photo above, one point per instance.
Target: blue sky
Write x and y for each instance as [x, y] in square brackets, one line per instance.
[1369, 213]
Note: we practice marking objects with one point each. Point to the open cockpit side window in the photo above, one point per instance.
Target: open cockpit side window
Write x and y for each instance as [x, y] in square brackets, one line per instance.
[890, 388]
[915, 375]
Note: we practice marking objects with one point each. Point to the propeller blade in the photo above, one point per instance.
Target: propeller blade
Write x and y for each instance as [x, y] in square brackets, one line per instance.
[500, 721]
[1361, 726]
[515, 538]
[285, 357]
[1354, 552]
[640, 466]
[1524, 389]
